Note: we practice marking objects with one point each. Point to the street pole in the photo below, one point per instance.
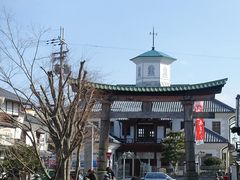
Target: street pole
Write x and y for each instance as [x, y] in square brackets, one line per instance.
[237, 109]
[237, 124]
[132, 165]
[124, 158]
[149, 162]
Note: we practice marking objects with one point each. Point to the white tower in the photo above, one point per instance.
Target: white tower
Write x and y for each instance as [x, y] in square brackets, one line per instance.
[153, 68]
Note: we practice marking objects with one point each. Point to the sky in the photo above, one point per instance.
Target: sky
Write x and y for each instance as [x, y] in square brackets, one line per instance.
[204, 36]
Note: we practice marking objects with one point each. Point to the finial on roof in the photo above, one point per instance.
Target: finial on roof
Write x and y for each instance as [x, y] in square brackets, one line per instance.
[153, 34]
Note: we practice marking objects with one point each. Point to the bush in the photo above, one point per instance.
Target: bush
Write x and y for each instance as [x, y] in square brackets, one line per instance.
[210, 161]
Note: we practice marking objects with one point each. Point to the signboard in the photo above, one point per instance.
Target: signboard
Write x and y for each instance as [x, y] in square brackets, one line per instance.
[82, 164]
[199, 124]
[108, 155]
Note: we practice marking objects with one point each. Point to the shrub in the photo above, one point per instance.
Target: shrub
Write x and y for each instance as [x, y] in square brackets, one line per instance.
[210, 161]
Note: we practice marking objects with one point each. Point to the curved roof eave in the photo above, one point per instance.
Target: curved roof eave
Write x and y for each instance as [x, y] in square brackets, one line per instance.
[172, 88]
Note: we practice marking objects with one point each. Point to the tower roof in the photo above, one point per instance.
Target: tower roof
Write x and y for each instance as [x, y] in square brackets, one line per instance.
[153, 53]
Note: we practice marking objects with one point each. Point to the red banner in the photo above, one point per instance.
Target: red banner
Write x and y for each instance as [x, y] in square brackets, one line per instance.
[199, 124]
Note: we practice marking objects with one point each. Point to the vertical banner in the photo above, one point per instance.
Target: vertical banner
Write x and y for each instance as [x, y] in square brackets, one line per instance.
[199, 124]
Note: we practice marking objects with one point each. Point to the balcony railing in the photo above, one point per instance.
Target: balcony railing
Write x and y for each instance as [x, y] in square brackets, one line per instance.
[143, 140]
[6, 141]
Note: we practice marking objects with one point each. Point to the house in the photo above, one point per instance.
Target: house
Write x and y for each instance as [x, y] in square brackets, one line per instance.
[13, 106]
[141, 126]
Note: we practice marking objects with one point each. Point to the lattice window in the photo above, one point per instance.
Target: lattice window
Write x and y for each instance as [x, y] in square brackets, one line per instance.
[147, 131]
[141, 132]
[216, 126]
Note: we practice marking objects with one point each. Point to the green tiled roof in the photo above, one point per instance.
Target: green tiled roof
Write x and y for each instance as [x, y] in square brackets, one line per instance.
[153, 53]
[184, 87]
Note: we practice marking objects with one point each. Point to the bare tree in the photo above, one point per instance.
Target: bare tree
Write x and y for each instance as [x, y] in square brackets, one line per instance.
[62, 113]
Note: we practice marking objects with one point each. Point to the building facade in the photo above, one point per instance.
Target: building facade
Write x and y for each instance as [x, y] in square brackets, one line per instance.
[140, 125]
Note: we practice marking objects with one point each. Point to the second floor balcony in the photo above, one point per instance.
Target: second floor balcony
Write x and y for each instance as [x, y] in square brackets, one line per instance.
[142, 140]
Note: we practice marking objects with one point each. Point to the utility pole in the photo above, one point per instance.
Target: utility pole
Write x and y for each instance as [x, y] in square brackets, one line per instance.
[60, 68]
[237, 143]
[59, 63]
[236, 129]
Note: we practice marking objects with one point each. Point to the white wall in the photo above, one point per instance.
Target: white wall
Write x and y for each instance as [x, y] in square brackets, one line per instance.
[211, 148]
[160, 132]
[7, 136]
[176, 124]
[224, 119]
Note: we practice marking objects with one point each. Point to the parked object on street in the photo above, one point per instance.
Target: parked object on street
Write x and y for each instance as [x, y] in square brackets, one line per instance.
[36, 177]
[134, 178]
[91, 175]
[219, 175]
[110, 173]
[106, 177]
[157, 176]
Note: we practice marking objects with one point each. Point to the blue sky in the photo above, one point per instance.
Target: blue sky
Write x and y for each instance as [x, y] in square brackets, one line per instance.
[204, 36]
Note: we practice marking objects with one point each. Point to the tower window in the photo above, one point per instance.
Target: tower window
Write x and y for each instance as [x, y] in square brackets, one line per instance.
[139, 71]
[165, 72]
[151, 70]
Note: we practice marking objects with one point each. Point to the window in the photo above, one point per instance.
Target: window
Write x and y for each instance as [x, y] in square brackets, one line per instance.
[139, 71]
[15, 109]
[216, 127]
[126, 129]
[151, 133]
[165, 73]
[151, 70]
[141, 132]
[182, 125]
[146, 131]
[9, 107]
[111, 127]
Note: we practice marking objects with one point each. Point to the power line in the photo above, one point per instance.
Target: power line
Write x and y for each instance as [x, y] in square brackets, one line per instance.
[60, 65]
[43, 43]
[204, 55]
[105, 47]
[171, 52]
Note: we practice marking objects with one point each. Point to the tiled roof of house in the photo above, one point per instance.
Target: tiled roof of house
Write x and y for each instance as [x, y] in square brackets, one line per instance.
[213, 137]
[10, 96]
[5, 120]
[214, 106]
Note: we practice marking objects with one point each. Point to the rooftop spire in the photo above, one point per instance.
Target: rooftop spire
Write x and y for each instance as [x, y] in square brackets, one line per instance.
[153, 34]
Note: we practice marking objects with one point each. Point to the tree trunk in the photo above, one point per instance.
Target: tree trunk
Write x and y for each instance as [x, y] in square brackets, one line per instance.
[63, 173]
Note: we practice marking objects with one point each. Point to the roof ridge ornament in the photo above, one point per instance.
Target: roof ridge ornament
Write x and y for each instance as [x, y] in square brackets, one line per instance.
[153, 34]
